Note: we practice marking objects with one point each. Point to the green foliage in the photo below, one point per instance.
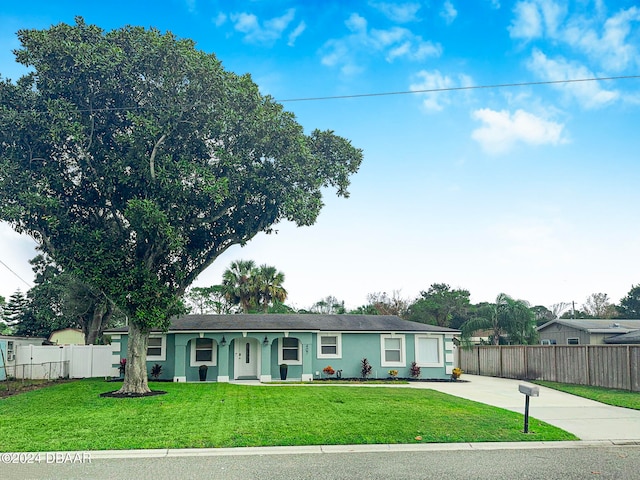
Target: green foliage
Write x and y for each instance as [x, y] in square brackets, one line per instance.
[136, 160]
[630, 304]
[507, 317]
[253, 288]
[328, 305]
[439, 305]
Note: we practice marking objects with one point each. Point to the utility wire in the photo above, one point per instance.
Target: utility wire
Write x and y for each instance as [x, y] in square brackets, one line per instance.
[379, 94]
[23, 280]
[449, 89]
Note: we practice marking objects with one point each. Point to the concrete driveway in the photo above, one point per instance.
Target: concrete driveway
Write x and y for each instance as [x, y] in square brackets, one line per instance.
[587, 419]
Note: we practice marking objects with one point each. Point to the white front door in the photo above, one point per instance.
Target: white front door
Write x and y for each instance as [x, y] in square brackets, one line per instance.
[246, 358]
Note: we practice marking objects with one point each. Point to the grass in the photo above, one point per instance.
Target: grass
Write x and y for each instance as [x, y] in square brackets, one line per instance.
[72, 416]
[617, 398]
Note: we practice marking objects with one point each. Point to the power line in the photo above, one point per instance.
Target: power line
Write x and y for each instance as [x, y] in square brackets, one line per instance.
[449, 89]
[366, 95]
[22, 279]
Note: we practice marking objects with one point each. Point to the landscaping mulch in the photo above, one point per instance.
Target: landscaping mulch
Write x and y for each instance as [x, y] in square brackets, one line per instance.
[117, 394]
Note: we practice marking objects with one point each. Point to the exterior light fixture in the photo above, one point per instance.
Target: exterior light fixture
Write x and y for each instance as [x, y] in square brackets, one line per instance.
[265, 341]
[223, 342]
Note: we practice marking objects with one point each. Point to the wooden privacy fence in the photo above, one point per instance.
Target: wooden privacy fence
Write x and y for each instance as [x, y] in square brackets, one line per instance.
[610, 366]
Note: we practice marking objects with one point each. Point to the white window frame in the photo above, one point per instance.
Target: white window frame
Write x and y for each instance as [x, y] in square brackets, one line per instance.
[441, 355]
[289, 362]
[214, 353]
[577, 339]
[338, 353]
[403, 351]
[547, 341]
[163, 349]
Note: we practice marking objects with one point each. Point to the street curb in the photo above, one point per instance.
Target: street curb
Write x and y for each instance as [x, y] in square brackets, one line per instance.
[332, 449]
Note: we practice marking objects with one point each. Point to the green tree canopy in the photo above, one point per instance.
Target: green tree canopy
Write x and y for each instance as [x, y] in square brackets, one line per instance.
[135, 160]
[507, 317]
[630, 304]
[439, 305]
[253, 288]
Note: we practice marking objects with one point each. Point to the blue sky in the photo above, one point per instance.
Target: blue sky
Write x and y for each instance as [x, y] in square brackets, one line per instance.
[527, 190]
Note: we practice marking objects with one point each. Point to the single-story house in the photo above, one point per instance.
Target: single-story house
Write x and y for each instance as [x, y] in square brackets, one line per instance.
[584, 331]
[237, 347]
[67, 336]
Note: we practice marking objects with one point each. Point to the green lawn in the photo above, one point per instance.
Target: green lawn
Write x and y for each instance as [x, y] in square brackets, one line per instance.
[72, 416]
[618, 398]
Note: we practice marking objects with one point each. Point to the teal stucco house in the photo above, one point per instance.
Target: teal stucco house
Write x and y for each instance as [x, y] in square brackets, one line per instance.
[243, 347]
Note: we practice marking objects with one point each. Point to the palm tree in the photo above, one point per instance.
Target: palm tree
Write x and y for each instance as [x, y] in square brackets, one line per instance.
[506, 316]
[267, 281]
[237, 284]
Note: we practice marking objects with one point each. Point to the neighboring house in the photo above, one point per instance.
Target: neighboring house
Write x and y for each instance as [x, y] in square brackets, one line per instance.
[8, 349]
[627, 338]
[67, 336]
[236, 347]
[584, 331]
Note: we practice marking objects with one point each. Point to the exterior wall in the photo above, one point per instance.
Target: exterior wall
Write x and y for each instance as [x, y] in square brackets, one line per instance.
[68, 336]
[354, 347]
[561, 333]
[3, 360]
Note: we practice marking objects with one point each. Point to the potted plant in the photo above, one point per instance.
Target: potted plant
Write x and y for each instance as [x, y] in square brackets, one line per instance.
[202, 371]
[283, 371]
[455, 374]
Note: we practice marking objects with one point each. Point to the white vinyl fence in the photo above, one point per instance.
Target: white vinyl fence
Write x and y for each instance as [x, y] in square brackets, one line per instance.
[67, 361]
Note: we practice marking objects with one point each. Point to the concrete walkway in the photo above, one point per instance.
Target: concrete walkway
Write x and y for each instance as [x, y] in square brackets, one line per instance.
[587, 419]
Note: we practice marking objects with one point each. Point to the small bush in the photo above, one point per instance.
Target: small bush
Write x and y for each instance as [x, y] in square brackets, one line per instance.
[415, 370]
[328, 370]
[156, 370]
[365, 368]
[123, 366]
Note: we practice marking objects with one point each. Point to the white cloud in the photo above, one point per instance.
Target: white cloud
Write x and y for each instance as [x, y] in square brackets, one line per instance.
[589, 94]
[607, 44]
[269, 31]
[535, 18]
[448, 12]
[398, 12]
[393, 43]
[527, 22]
[296, 33]
[220, 19]
[436, 101]
[502, 130]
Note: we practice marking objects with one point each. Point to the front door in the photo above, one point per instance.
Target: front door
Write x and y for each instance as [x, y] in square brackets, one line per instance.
[246, 358]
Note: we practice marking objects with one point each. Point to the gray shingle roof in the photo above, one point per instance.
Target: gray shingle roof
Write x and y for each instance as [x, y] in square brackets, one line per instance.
[631, 337]
[297, 322]
[597, 325]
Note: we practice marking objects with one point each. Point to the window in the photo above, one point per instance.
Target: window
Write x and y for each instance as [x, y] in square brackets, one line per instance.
[573, 341]
[547, 341]
[429, 351]
[393, 350]
[203, 352]
[329, 345]
[289, 351]
[156, 348]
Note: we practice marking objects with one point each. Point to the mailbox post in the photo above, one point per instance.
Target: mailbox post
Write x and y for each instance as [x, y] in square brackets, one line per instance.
[528, 391]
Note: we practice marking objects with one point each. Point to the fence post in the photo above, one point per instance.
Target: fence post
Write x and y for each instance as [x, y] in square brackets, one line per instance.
[629, 368]
[587, 356]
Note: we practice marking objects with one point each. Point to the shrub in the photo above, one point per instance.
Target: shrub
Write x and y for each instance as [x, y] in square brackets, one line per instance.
[156, 370]
[415, 370]
[365, 368]
[123, 366]
[393, 373]
[328, 370]
[455, 374]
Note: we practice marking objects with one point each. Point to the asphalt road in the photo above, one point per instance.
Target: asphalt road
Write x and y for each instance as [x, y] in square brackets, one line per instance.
[608, 462]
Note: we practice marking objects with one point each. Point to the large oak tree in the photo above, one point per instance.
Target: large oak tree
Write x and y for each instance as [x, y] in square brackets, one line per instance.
[135, 160]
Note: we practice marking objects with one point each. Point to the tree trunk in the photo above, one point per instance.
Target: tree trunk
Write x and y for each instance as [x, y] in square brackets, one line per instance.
[135, 376]
[94, 326]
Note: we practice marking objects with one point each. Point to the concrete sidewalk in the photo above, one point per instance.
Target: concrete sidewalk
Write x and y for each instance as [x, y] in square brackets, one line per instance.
[587, 419]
